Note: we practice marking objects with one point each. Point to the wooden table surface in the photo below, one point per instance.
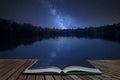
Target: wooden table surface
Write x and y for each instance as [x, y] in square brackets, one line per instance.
[11, 69]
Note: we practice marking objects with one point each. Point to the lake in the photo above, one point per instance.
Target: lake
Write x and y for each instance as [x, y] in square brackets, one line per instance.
[65, 50]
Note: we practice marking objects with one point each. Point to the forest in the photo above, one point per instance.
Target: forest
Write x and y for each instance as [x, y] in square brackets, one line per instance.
[9, 27]
[13, 33]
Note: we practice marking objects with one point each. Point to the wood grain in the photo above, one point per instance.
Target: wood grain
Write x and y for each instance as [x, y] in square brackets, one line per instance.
[11, 69]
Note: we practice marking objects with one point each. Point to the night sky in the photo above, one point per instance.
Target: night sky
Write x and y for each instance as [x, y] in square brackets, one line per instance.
[62, 14]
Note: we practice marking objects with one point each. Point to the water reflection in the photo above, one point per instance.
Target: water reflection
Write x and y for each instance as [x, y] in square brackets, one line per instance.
[11, 43]
[16, 48]
[62, 50]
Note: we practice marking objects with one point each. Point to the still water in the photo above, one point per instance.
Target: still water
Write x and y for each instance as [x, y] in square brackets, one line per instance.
[65, 50]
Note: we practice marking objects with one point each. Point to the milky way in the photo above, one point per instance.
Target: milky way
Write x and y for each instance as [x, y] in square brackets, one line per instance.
[61, 20]
[62, 14]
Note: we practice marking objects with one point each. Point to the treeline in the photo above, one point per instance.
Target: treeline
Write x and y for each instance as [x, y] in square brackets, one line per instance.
[9, 27]
[13, 34]
[15, 30]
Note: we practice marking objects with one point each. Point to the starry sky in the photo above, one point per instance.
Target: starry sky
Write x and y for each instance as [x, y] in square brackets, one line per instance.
[62, 14]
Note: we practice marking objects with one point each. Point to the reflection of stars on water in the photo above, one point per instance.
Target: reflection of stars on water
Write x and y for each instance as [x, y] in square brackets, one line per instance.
[51, 58]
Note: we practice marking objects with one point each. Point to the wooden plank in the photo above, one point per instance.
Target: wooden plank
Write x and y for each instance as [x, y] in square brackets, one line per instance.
[57, 77]
[49, 77]
[10, 72]
[110, 77]
[2, 65]
[67, 77]
[84, 77]
[110, 68]
[22, 77]
[106, 77]
[7, 68]
[102, 77]
[40, 77]
[75, 77]
[107, 66]
[93, 77]
[30, 77]
[20, 70]
[5, 62]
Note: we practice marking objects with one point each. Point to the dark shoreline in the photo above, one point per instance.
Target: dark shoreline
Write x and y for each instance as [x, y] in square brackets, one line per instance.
[13, 34]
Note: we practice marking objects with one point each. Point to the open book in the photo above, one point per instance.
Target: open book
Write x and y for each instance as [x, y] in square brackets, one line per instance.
[66, 70]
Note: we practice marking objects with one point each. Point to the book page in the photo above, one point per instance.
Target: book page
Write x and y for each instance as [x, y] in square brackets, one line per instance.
[44, 70]
[79, 68]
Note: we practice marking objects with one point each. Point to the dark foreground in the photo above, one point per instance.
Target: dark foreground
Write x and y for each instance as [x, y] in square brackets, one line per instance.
[11, 69]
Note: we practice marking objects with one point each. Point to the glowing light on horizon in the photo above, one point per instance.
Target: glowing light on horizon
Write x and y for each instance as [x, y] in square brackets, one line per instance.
[63, 27]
